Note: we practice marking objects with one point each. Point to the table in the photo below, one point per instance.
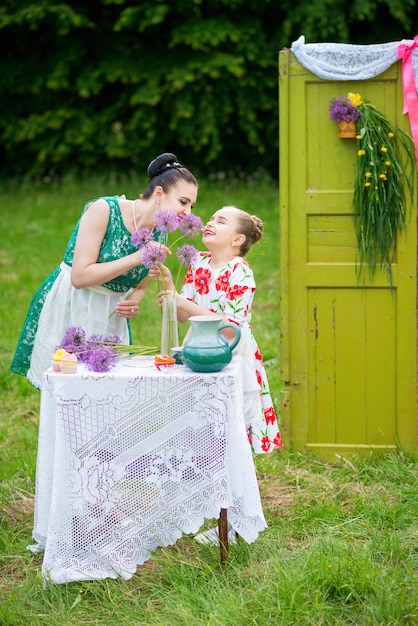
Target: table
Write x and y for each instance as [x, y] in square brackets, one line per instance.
[130, 459]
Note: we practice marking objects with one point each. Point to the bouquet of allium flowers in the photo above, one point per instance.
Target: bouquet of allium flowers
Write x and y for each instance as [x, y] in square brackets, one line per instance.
[99, 353]
[385, 180]
[384, 184]
[167, 221]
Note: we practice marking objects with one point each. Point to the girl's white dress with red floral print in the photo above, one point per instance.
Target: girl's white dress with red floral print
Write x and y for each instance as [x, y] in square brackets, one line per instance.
[229, 291]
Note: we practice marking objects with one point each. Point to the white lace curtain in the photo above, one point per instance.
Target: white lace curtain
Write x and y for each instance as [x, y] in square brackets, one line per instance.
[340, 61]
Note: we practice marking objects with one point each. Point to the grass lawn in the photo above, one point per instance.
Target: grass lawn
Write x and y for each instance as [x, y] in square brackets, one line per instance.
[342, 543]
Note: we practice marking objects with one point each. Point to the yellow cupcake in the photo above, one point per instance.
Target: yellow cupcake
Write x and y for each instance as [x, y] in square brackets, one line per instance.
[56, 360]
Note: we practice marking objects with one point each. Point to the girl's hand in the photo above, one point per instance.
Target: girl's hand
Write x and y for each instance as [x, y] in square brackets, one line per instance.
[162, 272]
[154, 273]
[185, 308]
[160, 296]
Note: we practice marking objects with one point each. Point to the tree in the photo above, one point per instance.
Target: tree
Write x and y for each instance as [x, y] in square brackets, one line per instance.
[99, 84]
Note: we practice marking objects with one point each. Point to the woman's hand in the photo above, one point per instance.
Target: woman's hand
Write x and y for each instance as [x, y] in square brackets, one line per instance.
[127, 308]
[86, 271]
[152, 244]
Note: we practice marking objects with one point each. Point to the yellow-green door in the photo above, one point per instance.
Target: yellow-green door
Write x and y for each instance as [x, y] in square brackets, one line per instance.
[348, 349]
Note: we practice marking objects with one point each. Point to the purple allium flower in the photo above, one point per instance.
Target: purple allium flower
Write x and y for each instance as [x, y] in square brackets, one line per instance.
[113, 339]
[96, 343]
[74, 338]
[191, 225]
[187, 254]
[166, 220]
[101, 360]
[153, 256]
[343, 109]
[141, 237]
[95, 340]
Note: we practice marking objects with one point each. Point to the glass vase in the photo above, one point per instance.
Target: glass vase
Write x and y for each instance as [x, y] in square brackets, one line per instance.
[169, 326]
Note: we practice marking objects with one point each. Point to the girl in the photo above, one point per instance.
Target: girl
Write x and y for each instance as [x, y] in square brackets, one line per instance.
[222, 283]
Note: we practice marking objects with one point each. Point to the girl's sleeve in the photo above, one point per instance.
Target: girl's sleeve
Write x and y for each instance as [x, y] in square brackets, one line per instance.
[188, 289]
[239, 295]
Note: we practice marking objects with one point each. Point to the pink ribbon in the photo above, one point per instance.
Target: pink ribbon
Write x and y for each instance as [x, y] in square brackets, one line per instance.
[410, 98]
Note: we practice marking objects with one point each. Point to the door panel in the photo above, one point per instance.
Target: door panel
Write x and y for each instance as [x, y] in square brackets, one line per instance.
[348, 347]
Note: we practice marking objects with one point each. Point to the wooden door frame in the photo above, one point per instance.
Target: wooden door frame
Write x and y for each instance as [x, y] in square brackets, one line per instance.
[295, 426]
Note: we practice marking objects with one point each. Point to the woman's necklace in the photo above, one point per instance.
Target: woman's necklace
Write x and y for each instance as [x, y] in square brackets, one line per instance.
[133, 214]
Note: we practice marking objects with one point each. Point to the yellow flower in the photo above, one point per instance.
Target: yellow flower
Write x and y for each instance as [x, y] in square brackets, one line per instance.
[390, 135]
[358, 136]
[361, 152]
[388, 163]
[383, 149]
[383, 176]
[355, 99]
[367, 184]
[368, 174]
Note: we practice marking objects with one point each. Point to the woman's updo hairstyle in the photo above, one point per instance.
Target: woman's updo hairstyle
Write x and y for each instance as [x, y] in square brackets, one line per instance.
[251, 226]
[165, 171]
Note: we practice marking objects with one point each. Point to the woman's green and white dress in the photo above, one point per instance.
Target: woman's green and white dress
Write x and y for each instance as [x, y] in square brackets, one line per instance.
[57, 305]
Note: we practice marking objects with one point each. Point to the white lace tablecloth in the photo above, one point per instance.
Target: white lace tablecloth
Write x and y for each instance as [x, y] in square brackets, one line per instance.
[130, 459]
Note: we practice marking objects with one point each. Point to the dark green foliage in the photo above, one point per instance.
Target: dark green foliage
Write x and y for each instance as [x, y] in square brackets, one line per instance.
[88, 85]
[357, 22]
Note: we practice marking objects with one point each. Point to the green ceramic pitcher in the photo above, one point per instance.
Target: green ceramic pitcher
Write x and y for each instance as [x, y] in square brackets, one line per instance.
[206, 349]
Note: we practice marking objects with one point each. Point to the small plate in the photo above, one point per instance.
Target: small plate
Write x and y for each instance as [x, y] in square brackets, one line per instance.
[139, 361]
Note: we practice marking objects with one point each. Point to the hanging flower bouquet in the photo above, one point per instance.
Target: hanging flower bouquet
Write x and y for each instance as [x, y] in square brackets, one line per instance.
[343, 109]
[384, 184]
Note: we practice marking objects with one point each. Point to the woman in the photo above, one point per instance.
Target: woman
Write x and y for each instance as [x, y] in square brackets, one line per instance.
[221, 283]
[100, 265]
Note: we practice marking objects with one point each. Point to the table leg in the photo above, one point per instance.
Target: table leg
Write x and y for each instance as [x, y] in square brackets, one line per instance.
[223, 534]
